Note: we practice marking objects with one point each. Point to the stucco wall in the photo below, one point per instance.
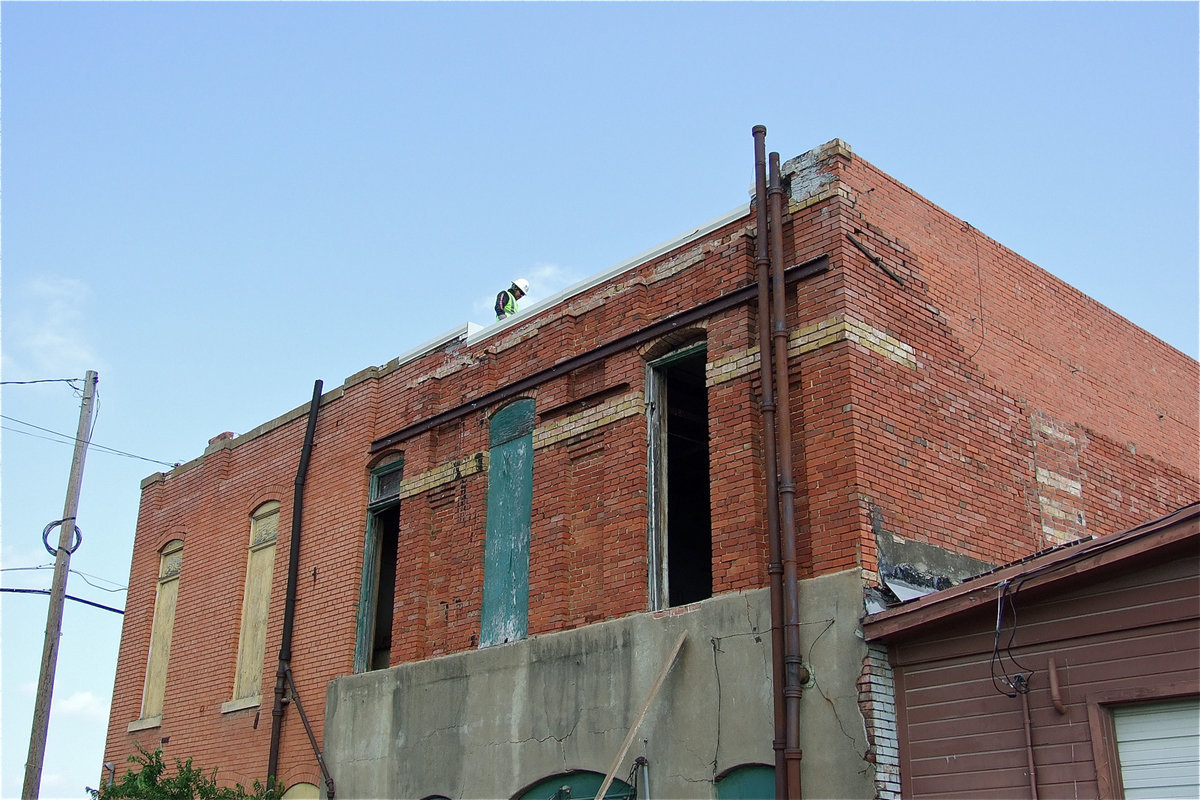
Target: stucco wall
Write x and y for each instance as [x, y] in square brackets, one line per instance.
[491, 722]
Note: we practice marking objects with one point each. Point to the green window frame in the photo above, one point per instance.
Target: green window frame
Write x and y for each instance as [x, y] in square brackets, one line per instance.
[383, 500]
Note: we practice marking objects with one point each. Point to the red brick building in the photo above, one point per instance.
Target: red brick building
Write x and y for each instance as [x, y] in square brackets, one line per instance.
[600, 459]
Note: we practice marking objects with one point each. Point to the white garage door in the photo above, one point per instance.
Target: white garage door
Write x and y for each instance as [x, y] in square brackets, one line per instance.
[1159, 748]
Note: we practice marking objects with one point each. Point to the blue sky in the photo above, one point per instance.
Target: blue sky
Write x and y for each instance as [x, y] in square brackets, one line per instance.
[215, 204]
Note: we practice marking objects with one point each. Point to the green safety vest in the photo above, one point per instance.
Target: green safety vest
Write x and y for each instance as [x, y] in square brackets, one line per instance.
[506, 305]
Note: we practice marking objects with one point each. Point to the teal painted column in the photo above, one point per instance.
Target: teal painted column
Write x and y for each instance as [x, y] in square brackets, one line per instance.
[505, 615]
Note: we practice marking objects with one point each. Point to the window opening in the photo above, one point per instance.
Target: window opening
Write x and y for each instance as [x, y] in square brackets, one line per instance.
[680, 517]
[505, 616]
[377, 597]
[170, 564]
[385, 483]
[387, 525]
[256, 602]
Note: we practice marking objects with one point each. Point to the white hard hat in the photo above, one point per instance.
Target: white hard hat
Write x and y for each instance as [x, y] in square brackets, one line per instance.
[522, 284]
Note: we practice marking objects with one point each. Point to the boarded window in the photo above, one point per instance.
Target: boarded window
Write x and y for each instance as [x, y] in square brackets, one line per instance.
[302, 791]
[170, 564]
[680, 517]
[377, 593]
[1158, 745]
[509, 512]
[256, 602]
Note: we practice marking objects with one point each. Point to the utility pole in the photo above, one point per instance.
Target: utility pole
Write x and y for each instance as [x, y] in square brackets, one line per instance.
[58, 593]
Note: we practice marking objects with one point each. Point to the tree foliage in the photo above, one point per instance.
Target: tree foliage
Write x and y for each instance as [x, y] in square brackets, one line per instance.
[151, 781]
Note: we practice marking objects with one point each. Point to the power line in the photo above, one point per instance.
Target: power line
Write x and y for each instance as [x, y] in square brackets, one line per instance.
[83, 575]
[32, 435]
[69, 381]
[68, 439]
[69, 597]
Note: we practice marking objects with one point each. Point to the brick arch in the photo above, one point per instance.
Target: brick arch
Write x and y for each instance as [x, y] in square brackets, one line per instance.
[674, 340]
[279, 492]
[174, 529]
[384, 458]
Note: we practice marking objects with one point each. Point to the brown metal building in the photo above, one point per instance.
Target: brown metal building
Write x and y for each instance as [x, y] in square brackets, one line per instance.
[1072, 674]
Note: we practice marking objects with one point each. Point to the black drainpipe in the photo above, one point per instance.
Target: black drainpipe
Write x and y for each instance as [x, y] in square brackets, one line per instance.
[289, 603]
[794, 671]
[775, 568]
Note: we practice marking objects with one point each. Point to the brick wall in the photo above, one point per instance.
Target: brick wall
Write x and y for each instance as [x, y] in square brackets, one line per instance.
[992, 433]
[989, 408]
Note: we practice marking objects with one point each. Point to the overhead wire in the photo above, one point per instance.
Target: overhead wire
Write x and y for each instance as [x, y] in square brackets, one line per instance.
[68, 596]
[68, 381]
[1006, 595]
[1018, 682]
[69, 439]
[83, 575]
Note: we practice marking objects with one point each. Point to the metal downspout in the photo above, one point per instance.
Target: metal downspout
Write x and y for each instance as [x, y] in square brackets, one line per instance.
[775, 568]
[289, 603]
[1022, 688]
[793, 666]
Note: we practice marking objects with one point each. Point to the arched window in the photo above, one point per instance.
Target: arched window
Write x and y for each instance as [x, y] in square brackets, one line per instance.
[747, 782]
[256, 603]
[302, 791]
[576, 785]
[170, 564]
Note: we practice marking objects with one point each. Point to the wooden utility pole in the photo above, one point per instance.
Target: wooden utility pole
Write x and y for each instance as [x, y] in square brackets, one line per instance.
[58, 593]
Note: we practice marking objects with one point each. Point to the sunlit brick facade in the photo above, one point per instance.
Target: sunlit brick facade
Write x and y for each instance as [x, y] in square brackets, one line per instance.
[946, 394]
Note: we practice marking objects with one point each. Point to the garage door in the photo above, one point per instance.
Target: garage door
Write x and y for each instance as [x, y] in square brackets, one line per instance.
[1159, 748]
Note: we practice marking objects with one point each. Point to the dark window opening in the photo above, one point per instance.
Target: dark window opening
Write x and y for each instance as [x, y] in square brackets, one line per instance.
[682, 518]
[377, 593]
[387, 524]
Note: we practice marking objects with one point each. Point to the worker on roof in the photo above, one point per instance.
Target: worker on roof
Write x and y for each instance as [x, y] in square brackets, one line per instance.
[506, 301]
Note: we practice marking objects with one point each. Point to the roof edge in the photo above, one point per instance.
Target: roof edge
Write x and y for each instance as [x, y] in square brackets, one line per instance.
[1037, 572]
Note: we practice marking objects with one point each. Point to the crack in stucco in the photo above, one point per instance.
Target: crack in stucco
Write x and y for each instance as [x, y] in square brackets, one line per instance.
[815, 684]
[560, 740]
[688, 779]
[752, 620]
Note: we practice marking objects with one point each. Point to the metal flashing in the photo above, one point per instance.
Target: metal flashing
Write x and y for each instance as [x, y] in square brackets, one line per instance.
[1035, 572]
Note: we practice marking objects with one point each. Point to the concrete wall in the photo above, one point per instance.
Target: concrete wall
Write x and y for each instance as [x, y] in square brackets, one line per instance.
[489, 723]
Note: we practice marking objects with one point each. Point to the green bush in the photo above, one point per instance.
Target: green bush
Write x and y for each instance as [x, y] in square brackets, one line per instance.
[151, 782]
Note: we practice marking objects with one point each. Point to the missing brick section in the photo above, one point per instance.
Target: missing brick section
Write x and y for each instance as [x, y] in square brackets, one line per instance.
[910, 569]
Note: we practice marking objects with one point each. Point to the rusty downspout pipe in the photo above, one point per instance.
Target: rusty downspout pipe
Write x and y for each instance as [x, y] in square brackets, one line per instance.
[289, 603]
[1022, 688]
[775, 568]
[792, 664]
